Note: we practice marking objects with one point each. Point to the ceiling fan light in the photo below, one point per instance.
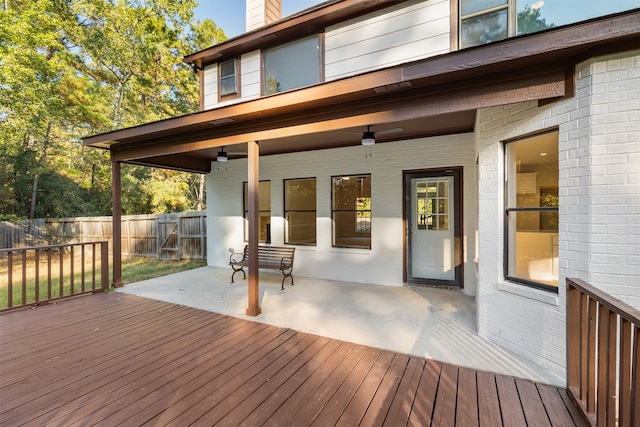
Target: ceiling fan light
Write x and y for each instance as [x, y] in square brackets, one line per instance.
[222, 156]
[368, 138]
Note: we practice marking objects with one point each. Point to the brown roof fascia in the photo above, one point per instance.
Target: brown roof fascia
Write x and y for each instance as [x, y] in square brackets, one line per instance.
[307, 22]
[516, 55]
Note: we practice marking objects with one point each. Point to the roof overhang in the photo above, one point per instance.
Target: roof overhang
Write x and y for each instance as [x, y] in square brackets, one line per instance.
[434, 96]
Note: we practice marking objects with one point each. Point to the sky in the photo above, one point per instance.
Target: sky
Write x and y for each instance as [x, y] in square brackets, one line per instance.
[230, 14]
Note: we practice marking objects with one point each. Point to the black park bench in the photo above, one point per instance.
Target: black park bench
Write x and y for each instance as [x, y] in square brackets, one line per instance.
[272, 257]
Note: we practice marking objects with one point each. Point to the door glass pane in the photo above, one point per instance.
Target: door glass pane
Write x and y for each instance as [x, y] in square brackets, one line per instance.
[421, 205]
[432, 204]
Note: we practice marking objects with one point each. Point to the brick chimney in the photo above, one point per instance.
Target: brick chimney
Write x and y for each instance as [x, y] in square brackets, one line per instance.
[262, 12]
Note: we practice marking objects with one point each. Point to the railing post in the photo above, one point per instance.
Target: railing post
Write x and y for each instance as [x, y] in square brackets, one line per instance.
[573, 338]
[104, 266]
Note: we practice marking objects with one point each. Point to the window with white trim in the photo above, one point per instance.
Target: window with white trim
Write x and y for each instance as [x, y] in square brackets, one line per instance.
[228, 78]
[486, 21]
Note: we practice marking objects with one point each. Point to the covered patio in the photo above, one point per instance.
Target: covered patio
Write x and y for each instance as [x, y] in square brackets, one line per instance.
[430, 323]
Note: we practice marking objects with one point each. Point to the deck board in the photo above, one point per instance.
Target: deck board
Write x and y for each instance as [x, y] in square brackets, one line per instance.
[113, 359]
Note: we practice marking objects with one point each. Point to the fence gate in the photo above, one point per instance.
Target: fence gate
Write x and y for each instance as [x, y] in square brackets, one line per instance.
[168, 237]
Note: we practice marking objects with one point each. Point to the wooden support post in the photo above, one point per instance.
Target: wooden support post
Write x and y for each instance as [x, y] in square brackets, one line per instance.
[253, 186]
[116, 203]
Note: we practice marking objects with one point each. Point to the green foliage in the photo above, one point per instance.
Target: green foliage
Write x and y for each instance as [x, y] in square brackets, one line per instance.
[530, 21]
[71, 68]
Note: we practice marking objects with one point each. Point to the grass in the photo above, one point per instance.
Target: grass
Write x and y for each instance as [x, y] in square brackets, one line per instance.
[133, 270]
[138, 269]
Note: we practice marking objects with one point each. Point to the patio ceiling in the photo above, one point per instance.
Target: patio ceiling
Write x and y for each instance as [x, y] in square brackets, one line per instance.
[439, 95]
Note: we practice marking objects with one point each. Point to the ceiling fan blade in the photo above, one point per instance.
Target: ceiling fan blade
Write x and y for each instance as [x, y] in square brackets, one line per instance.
[376, 132]
[388, 131]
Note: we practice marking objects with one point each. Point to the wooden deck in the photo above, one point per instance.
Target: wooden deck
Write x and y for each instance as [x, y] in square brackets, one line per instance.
[114, 359]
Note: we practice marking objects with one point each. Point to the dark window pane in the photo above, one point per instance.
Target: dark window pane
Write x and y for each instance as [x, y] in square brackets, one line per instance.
[301, 227]
[533, 253]
[472, 6]
[300, 211]
[484, 29]
[264, 202]
[300, 194]
[556, 13]
[292, 66]
[351, 211]
[228, 85]
[228, 68]
[228, 80]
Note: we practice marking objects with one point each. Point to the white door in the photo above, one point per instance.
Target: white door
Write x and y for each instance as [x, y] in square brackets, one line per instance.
[432, 229]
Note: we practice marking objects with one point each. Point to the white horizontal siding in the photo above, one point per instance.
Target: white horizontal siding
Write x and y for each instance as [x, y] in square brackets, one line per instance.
[404, 33]
[250, 75]
[249, 81]
[210, 86]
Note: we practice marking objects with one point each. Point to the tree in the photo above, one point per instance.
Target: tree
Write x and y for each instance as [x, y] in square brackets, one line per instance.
[71, 68]
[530, 21]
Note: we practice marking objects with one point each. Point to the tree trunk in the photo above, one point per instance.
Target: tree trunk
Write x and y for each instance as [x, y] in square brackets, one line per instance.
[201, 193]
[36, 175]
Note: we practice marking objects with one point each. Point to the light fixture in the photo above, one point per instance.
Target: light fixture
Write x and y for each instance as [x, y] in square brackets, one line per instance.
[222, 156]
[368, 138]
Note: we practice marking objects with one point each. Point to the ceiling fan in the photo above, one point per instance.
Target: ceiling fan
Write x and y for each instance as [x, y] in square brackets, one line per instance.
[223, 156]
[369, 136]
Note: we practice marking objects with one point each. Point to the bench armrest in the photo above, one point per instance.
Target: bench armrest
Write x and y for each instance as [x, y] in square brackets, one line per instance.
[235, 257]
[286, 262]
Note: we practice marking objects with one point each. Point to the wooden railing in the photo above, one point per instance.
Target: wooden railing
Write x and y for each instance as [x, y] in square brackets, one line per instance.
[39, 274]
[603, 356]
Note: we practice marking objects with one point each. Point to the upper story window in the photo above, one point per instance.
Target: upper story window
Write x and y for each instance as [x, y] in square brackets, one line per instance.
[531, 210]
[486, 21]
[290, 66]
[228, 79]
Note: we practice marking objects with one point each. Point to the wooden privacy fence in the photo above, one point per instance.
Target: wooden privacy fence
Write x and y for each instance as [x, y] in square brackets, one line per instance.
[34, 275]
[166, 236]
[603, 356]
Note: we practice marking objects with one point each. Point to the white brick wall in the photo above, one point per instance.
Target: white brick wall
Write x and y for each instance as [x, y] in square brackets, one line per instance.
[383, 264]
[599, 233]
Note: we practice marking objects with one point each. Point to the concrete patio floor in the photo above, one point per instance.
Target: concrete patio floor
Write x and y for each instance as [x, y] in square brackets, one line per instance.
[439, 324]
